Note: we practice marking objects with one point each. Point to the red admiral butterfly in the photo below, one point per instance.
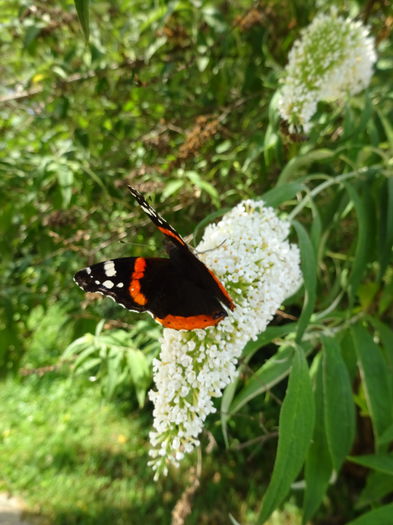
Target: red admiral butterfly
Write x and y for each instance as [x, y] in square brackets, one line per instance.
[180, 292]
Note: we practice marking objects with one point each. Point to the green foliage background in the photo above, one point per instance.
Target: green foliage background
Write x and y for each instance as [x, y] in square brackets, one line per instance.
[178, 99]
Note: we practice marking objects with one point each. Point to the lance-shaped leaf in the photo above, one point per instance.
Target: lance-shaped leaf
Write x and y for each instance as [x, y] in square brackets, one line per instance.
[338, 403]
[295, 433]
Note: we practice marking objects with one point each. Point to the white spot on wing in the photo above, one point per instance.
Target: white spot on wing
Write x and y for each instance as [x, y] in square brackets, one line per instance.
[88, 271]
[97, 282]
[108, 284]
[120, 285]
[109, 269]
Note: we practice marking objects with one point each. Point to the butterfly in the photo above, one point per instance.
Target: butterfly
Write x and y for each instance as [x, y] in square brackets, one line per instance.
[179, 291]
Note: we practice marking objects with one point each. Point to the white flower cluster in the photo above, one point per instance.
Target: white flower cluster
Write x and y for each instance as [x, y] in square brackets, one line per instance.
[333, 58]
[249, 252]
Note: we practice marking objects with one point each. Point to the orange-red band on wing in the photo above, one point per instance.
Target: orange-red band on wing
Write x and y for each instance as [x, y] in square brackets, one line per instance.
[135, 284]
[231, 304]
[165, 231]
[188, 323]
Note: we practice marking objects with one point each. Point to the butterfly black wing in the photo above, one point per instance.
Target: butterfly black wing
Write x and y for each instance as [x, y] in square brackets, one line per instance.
[180, 292]
[154, 285]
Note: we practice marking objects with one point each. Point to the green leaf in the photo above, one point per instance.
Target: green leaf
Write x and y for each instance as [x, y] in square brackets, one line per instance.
[295, 432]
[379, 462]
[386, 336]
[268, 375]
[270, 145]
[270, 334]
[137, 364]
[309, 269]
[387, 436]
[381, 516]
[377, 384]
[226, 402]
[316, 228]
[280, 194]
[378, 485]
[298, 165]
[363, 240]
[203, 185]
[172, 187]
[338, 404]
[318, 468]
[82, 8]
[386, 230]
[386, 298]
[66, 178]
[348, 353]
[228, 407]
[31, 35]
[387, 125]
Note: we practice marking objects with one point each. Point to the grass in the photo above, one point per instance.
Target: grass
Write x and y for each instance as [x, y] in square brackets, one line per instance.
[78, 459]
[74, 457]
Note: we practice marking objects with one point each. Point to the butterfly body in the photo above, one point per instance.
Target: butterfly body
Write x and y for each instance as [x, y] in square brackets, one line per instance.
[180, 291]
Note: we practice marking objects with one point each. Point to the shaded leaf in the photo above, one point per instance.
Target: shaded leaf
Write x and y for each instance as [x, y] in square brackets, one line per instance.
[378, 485]
[377, 383]
[387, 436]
[386, 229]
[270, 334]
[268, 375]
[82, 8]
[362, 250]
[228, 408]
[380, 462]
[295, 432]
[380, 516]
[308, 266]
[280, 194]
[297, 165]
[318, 468]
[339, 408]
